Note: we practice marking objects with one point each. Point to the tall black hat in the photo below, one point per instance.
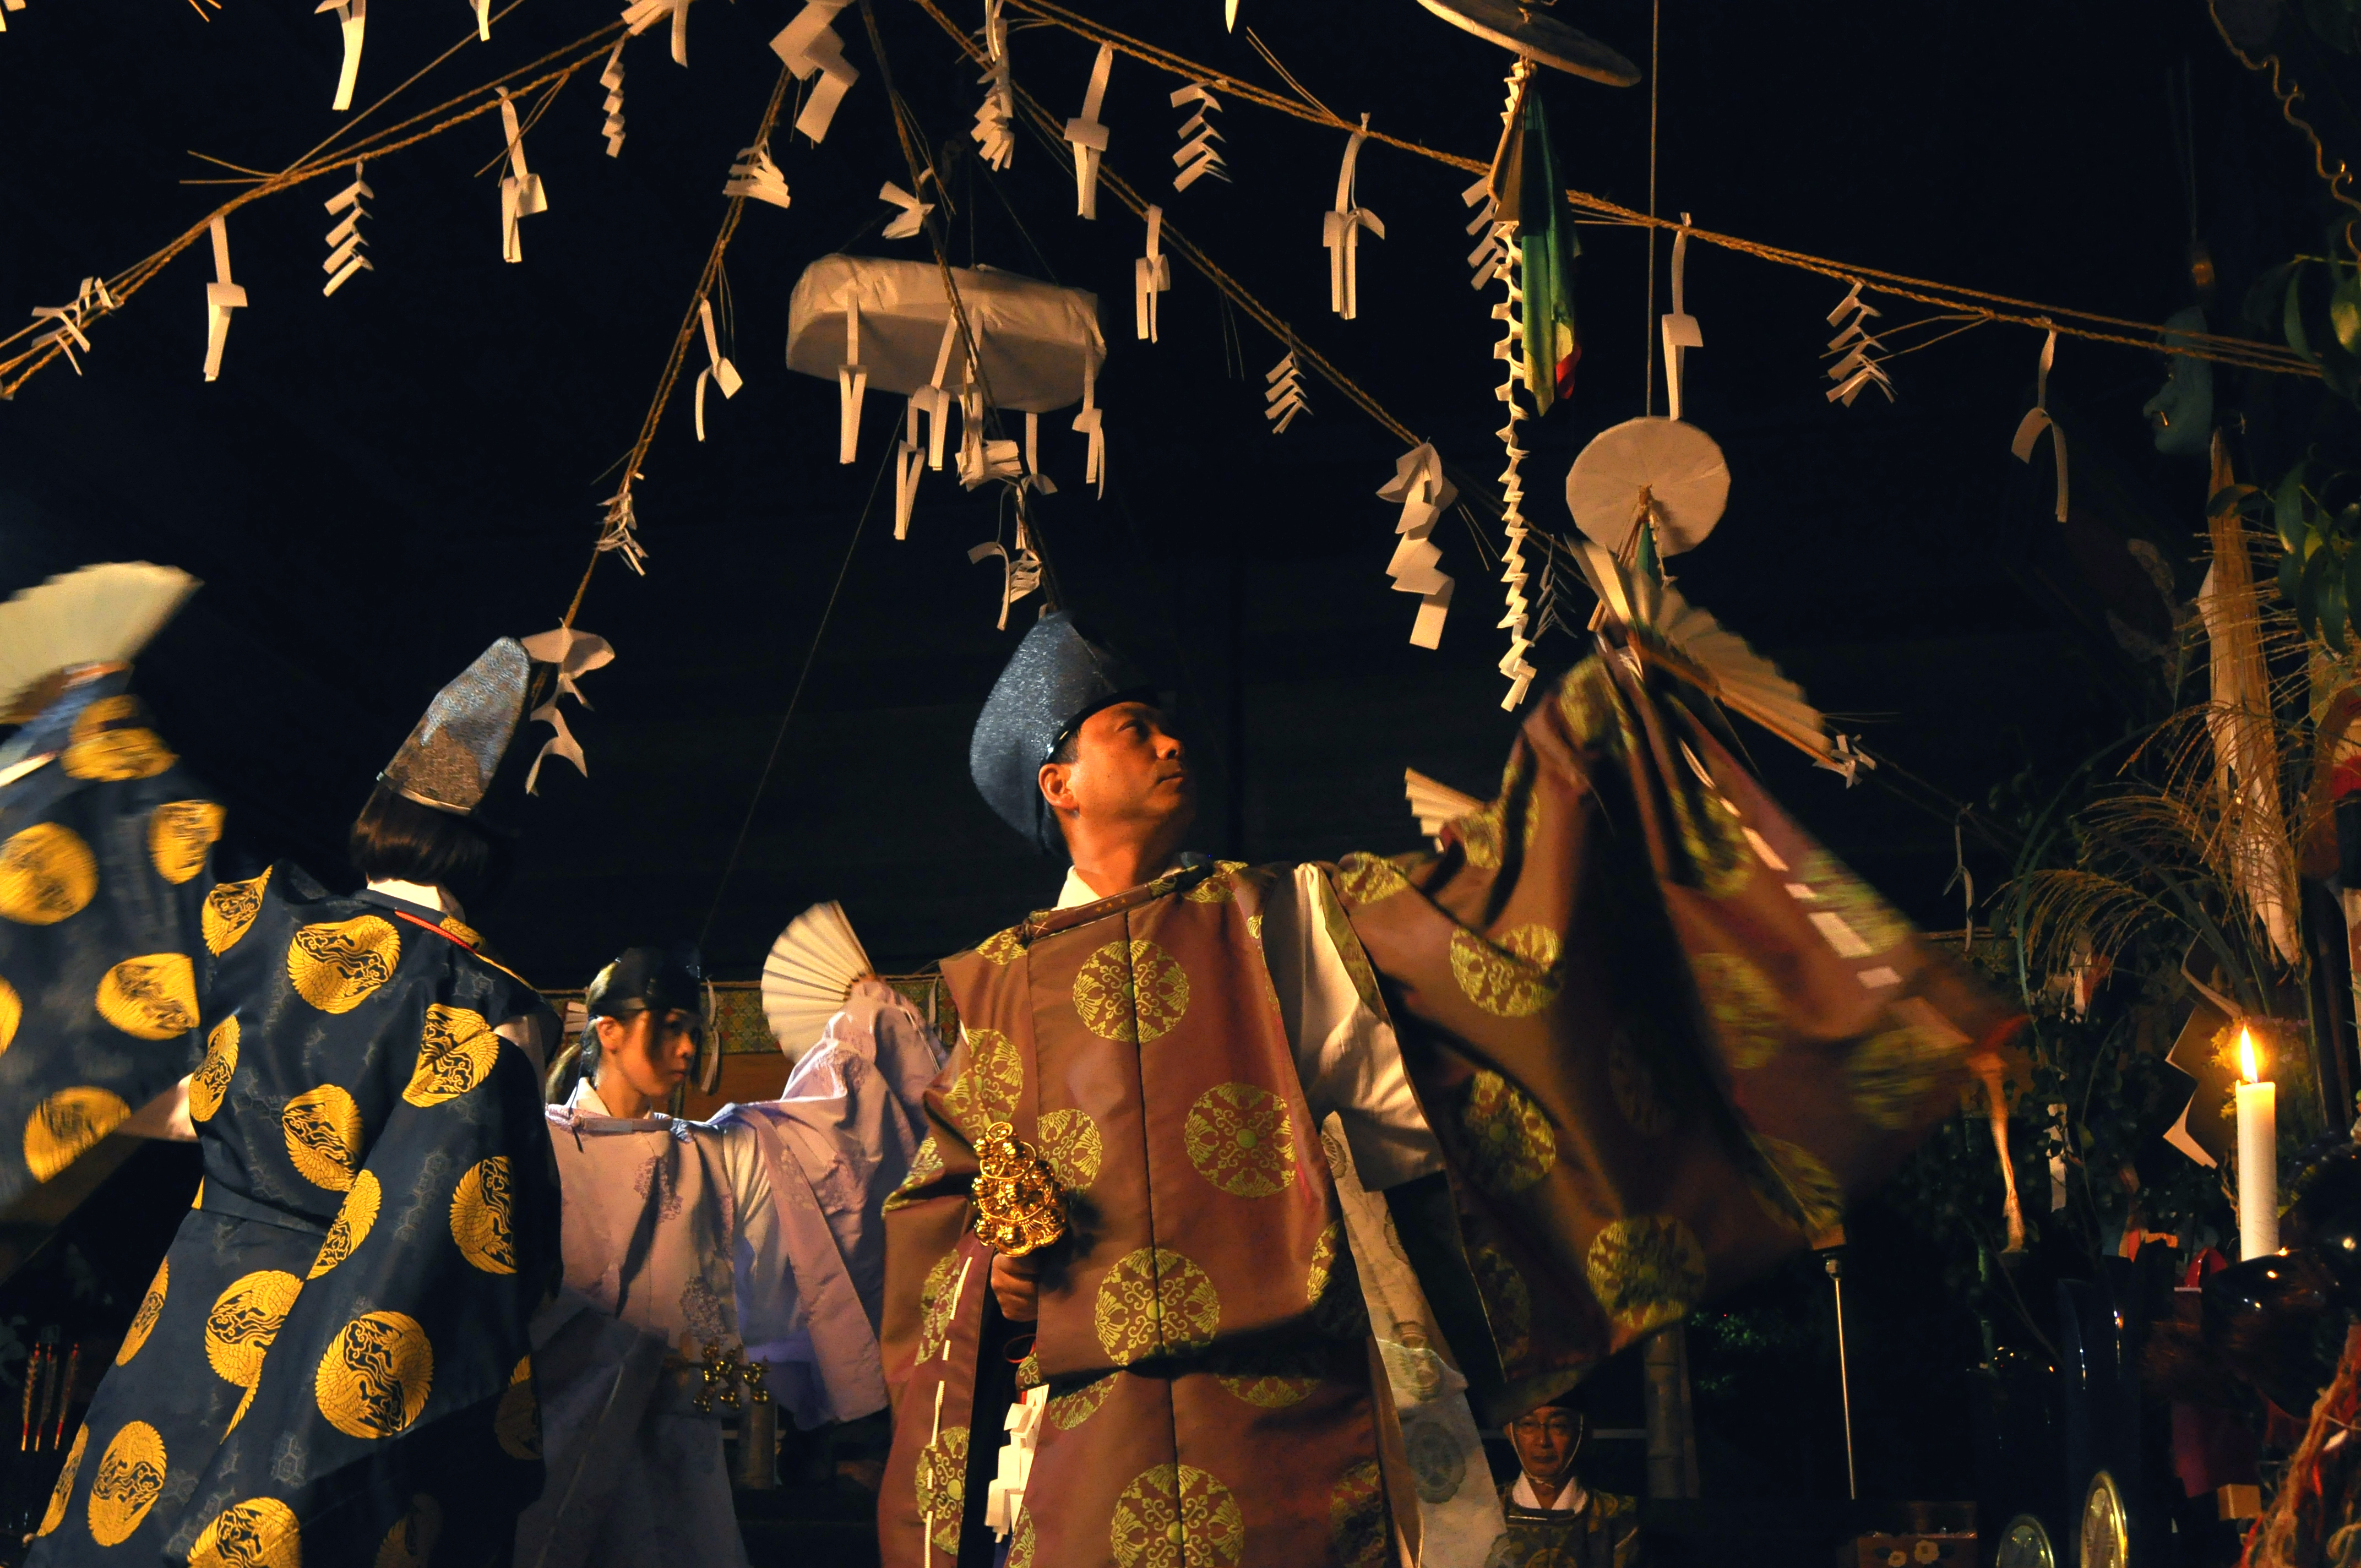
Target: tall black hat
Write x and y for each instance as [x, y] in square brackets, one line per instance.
[649, 980]
[1057, 678]
[450, 758]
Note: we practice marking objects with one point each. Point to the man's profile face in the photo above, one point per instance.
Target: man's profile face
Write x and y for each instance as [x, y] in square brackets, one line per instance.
[1546, 1440]
[1127, 766]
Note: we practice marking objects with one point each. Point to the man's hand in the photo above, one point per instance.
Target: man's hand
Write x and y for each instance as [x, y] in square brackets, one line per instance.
[1017, 1282]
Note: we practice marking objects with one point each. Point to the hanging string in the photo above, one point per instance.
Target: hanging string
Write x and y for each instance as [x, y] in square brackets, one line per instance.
[1648, 322]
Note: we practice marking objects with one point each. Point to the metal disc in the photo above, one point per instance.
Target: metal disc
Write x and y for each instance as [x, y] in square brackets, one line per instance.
[1678, 466]
[2027, 1545]
[1541, 39]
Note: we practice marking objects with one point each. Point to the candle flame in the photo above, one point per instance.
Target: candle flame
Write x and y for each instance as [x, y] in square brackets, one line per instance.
[2246, 1068]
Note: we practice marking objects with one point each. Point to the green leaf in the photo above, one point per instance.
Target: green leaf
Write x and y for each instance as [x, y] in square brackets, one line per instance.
[2288, 511]
[2344, 312]
[2308, 601]
[2229, 499]
[2292, 322]
[2332, 604]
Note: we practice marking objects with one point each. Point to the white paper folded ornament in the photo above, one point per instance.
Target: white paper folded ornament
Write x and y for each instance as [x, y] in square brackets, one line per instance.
[1033, 475]
[1284, 397]
[521, 194]
[1489, 254]
[6, 6]
[2037, 419]
[1020, 573]
[851, 384]
[809, 47]
[222, 296]
[344, 241]
[575, 654]
[1092, 423]
[92, 299]
[1859, 369]
[755, 177]
[1089, 137]
[483, 9]
[1679, 328]
[1198, 156]
[619, 531]
[1420, 488]
[912, 219]
[994, 132]
[718, 370]
[352, 22]
[1150, 275]
[611, 79]
[642, 14]
[1340, 231]
[909, 462]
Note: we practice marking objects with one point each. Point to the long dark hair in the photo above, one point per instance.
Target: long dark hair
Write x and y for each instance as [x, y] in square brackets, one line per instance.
[395, 839]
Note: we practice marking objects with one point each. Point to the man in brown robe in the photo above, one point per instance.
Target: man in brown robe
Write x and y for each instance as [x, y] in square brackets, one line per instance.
[1355, 1152]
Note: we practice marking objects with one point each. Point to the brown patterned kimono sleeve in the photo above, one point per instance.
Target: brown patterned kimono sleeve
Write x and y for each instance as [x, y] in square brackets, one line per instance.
[1662, 1034]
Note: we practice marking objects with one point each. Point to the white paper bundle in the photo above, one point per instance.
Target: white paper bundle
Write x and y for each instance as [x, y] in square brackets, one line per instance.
[1434, 802]
[810, 971]
[1039, 343]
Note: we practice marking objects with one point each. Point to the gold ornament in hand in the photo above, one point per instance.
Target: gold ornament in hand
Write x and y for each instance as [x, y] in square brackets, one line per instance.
[1019, 1207]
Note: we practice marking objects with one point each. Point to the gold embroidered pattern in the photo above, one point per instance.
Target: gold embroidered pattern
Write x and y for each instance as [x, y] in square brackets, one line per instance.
[926, 1164]
[68, 1123]
[130, 1478]
[456, 1052]
[1020, 1542]
[143, 1322]
[1001, 948]
[1744, 1005]
[1508, 1302]
[1633, 1083]
[1155, 1302]
[1217, 886]
[63, 1493]
[150, 998]
[1356, 1517]
[987, 1092]
[259, 1534]
[336, 965]
[1130, 993]
[1715, 841]
[229, 909]
[47, 874]
[1510, 1145]
[210, 1082]
[1647, 1270]
[1070, 1141]
[468, 936]
[516, 1424]
[1370, 879]
[244, 1322]
[180, 834]
[1241, 1139]
[1071, 1409]
[1587, 700]
[937, 1303]
[1272, 1380]
[1324, 1253]
[1176, 1517]
[411, 1542]
[1794, 1186]
[12, 1013]
[322, 1128]
[941, 1481]
[1894, 1074]
[351, 1226]
[374, 1379]
[1514, 978]
[112, 756]
[1837, 891]
[481, 1206]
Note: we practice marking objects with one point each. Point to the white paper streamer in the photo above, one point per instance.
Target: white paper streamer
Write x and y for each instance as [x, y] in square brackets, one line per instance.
[1419, 487]
[934, 399]
[6, 6]
[852, 386]
[1090, 138]
[1033, 475]
[755, 176]
[1845, 760]
[1284, 399]
[345, 240]
[995, 118]
[483, 9]
[575, 654]
[1091, 422]
[718, 370]
[1680, 328]
[1487, 257]
[351, 20]
[912, 219]
[222, 296]
[1858, 366]
[90, 301]
[1020, 572]
[1340, 231]
[2037, 420]
[1506, 264]
[1198, 156]
[808, 45]
[619, 531]
[1150, 275]
[642, 14]
[1005, 1501]
[520, 191]
[611, 79]
[909, 464]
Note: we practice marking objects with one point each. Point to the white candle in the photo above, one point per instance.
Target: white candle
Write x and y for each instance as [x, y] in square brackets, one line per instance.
[2258, 1169]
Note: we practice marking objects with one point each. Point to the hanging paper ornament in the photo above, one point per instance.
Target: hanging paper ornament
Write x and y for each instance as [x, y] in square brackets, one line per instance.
[619, 529]
[1340, 231]
[1020, 572]
[483, 9]
[222, 296]
[575, 654]
[90, 300]
[1531, 192]
[642, 14]
[520, 191]
[1858, 368]
[1489, 253]
[1419, 487]
[1033, 475]
[611, 79]
[6, 6]
[810, 47]
[755, 176]
[912, 219]
[1679, 328]
[1092, 423]
[995, 118]
[852, 386]
[2037, 419]
[352, 21]
[345, 240]
[1150, 275]
[718, 370]
[1848, 764]
[1285, 398]
[1198, 157]
[1662, 472]
[1089, 137]
[909, 464]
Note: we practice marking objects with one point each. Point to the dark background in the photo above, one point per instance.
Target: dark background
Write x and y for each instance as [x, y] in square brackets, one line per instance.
[383, 482]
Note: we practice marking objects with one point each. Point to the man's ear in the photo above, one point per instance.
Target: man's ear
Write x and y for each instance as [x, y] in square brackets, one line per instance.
[1056, 787]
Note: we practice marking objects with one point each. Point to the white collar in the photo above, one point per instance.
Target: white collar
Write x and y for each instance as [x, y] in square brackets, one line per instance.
[1077, 893]
[420, 893]
[1570, 1497]
[585, 1102]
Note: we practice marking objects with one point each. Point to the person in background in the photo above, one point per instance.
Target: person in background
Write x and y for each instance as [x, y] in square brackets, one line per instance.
[1553, 1519]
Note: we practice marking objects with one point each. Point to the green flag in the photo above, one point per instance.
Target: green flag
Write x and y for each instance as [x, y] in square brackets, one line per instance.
[1526, 184]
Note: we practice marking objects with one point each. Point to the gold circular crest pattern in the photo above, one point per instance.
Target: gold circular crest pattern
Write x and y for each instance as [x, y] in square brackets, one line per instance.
[1217, 887]
[1020, 1542]
[937, 1298]
[130, 1478]
[68, 1123]
[262, 1533]
[1240, 1138]
[1071, 1409]
[941, 1481]
[1716, 841]
[1744, 1005]
[987, 1090]
[1510, 1143]
[47, 874]
[926, 1164]
[324, 1131]
[1274, 1379]
[411, 1542]
[482, 1208]
[210, 1082]
[1513, 978]
[153, 997]
[1588, 703]
[1794, 1186]
[1070, 1141]
[337, 964]
[374, 1379]
[1632, 1082]
[63, 1493]
[180, 833]
[454, 927]
[229, 910]
[12, 1013]
[1176, 1517]
[456, 1052]
[143, 1322]
[1647, 1270]
[1155, 1302]
[1001, 948]
[1508, 1302]
[244, 1322]
[1324, 1253]
[1130, 993]
[351, 1226]
[1894, 1073]
[1356, 1517]
[116, 756]
[516, 1423]
[1370, 879]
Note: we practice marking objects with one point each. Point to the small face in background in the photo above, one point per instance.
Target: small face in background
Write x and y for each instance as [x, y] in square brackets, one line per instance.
[650, 1052]
[1546, 1441]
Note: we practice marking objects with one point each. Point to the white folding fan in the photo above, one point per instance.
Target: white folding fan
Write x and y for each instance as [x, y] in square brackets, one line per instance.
[1660, 468]
[1434, 802]
[811, 970]
[98, 615]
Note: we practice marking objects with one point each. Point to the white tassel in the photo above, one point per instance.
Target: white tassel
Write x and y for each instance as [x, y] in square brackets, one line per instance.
[1198, 157]
[995, 118]
[1089, 137]
[521, 191]
[611, 79]
[1340, 231]
[810, 47]
[1419, 487]
[1150, 275]
[352, 21]
[345, 240]
[222, 296]
[852, 386]
[718, 370]
[755, 177]
[1285, 400]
